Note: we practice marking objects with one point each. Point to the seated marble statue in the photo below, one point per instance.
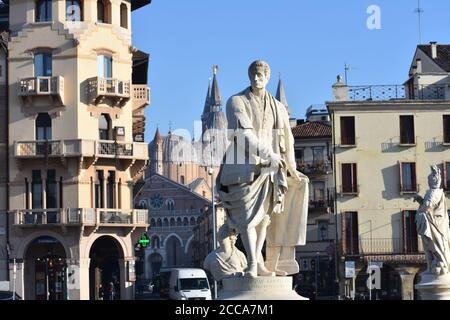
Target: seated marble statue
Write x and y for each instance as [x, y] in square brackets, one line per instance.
[226, 261]
[433, 225]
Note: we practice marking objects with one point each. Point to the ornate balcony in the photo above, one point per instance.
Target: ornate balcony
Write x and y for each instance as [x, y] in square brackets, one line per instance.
[81, 217]
[102, 88]
[80, 148]
[141, 96]
[51, 87]
[314, 167]
[141, 99]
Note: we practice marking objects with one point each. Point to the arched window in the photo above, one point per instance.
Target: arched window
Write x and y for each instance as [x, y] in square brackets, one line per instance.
[179, 222]
[172, 222]
[104, 127]
[165, 222]
[103, 11]
[159, 223]
[143, 204]
[181, 179]
[43, 10]
[170, 204]
[155, 242]
[192, 221]
[124, 16]
[74, 10]
[152, 222]
[185, 222]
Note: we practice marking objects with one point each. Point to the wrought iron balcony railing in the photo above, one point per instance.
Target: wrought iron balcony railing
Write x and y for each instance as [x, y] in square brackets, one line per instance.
[396, 92]
[314, 167]
[320, 204]
[390, 246]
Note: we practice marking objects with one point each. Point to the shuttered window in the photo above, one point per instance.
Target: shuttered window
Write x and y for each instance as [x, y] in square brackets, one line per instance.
[407, 135]
[348, 131]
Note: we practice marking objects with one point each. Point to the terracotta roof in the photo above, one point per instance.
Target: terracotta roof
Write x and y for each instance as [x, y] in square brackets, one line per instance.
[313, 129]
[443, 55]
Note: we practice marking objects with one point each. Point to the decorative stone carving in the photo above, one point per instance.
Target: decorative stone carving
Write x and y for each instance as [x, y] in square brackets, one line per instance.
[226, 261]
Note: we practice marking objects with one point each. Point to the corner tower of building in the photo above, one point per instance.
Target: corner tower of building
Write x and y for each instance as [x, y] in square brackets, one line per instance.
[74, 122]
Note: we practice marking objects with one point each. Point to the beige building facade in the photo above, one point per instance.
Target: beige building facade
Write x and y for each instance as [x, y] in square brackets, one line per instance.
[385, 140]
[73, 160]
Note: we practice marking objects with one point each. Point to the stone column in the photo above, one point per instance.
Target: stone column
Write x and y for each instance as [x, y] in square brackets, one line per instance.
[407, 275]
[84, 278]
[105, 191]
[116, 194]
[126, 287]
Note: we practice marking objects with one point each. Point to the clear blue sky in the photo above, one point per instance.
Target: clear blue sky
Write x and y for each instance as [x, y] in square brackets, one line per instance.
[308, 42]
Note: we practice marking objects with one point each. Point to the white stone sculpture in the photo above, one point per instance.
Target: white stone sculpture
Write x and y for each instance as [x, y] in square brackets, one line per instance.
[264, 195]
[433, 226]
[227, 261]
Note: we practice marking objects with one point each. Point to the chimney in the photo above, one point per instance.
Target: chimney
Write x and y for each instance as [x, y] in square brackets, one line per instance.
[433, 49]
[419, 66]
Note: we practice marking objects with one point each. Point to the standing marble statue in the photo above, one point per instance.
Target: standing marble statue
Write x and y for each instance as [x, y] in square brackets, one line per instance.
[265, 197]
[227, 260]
[433, 225]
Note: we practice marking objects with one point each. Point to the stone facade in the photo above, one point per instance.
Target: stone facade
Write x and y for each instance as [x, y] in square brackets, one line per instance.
[174, 210]
[74, 161]
[385, 140]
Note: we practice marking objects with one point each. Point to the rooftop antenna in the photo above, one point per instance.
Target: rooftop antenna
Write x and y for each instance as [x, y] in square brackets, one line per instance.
[170, 127]
[347, 68]
[419, 12]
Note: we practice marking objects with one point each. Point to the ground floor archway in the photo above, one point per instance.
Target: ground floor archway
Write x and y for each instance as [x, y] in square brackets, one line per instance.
[45, 276]
[104, 269]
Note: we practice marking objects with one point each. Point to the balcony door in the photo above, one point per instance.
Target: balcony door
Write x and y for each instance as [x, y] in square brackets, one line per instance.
[410, 238]
[43, 68]
[104, 66]
[104, 127]
[43, 134]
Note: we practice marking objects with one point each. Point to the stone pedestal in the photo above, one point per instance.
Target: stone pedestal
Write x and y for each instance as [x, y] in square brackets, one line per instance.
[433, 287]
[261, 288]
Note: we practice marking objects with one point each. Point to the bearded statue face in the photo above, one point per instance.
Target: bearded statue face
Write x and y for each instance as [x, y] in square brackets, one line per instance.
[435, 179]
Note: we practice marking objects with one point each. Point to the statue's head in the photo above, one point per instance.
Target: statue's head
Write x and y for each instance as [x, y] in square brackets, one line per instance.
[227, 237]
[259, 74]
[435, 178]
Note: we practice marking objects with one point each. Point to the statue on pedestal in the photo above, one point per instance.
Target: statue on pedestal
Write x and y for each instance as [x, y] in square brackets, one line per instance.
[265, 197]
[433, 225]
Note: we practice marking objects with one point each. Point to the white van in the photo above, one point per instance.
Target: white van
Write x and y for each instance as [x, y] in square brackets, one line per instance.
[189, 284]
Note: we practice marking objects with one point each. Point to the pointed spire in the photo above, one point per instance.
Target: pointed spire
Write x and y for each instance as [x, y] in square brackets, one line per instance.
[281, 94]
[216, 98]
[157, 137]
[207, 100]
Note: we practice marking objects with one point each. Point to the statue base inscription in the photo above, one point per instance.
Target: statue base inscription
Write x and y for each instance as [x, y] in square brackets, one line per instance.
[433, 287]
[260, 288]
